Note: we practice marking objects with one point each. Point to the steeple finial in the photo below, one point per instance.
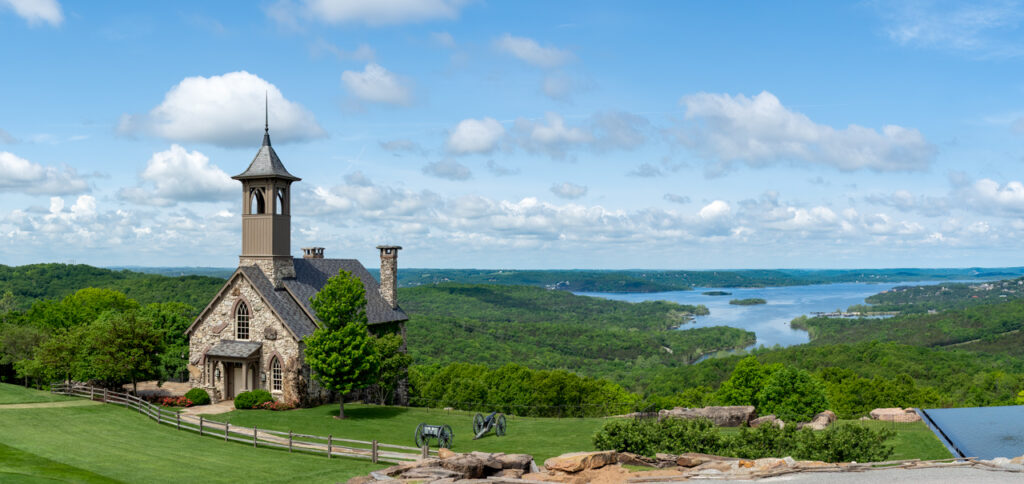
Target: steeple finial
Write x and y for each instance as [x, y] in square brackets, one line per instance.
[266, 120]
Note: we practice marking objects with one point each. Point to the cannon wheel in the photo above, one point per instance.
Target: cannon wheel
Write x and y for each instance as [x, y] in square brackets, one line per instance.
[420, 439]
[500, 428]
[445, 437]
[478, 423]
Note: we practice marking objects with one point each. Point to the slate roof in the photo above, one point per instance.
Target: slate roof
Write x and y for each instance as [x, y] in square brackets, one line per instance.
[281, 302]
[266, 164]
[234, 349]
[312, 274]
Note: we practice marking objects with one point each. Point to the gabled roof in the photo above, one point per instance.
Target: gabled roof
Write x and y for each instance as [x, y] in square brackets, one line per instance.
[266, 164]
[312, 274]
[234, 349]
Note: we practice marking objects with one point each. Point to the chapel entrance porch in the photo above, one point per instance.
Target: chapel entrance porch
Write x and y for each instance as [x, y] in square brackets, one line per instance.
[235, 366]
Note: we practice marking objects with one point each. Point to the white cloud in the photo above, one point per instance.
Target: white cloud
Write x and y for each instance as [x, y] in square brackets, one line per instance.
[444, 39]
[177, 175]
[760, 131]
[370, 12]
[600, 132]
[362, 52]
[988, 195]
[475, 136]
[397, 146]
[969, 26]
[553, 138]
[449, 170]
[568, 190]
[529, 51]
[226, 110]
[714, 210]
[674, 198]
[377, 84]
[557, 86]
[497, 169]
[646, 170]
[7, 138]
[36, 11]
[20, 175]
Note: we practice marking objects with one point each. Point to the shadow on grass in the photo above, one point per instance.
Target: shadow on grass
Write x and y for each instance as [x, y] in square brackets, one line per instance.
[365, 413]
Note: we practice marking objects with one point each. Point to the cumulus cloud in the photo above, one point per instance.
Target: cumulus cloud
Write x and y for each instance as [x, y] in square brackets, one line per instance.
[987, 195]
[497, 169]
[475, 136]
[645, 170]
[449, 170]
[398, 146]
[20, 175]
[551, 136]
[569, 191]
[7, 138]
[966, 27]
[36, 11]
[760, 131]
[373, 13]
[529, 51]
[674, 198]
[226, 110]
[905, 201]
[177, 175]
[600, 132]
[378, 85]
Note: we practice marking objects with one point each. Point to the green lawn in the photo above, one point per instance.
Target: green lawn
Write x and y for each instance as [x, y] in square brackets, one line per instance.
[540, 437]
[912, 441]
[19, 394]
[108, 443]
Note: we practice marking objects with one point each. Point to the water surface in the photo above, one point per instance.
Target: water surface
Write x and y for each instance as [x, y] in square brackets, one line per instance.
[983, 432]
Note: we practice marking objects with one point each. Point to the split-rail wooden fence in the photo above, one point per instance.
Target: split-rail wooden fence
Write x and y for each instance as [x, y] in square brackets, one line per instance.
[293, 442]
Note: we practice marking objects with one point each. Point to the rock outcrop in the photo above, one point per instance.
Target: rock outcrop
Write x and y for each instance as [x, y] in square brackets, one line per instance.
[734, 416]
[580, 461]
[453, 466]
[767, 419]
[820, 421]
[895, 415]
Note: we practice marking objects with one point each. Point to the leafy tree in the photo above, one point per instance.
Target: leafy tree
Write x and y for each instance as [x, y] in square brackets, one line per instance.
[392, 365]
[123, 347]
[341, 353]
[60, 356]
[17, 342]
[171, 319]
[342, 360]
[792, 395]
[341, 301]
[746, 380]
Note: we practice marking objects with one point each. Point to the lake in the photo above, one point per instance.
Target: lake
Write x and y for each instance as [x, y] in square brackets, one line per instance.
[770, 321]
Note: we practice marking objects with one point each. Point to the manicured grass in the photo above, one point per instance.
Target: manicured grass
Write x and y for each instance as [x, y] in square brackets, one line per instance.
[101, 443]
[19, 394]
[912, 441]
[540, 437]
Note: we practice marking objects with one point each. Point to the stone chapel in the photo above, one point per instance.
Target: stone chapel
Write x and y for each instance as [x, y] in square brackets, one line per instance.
[251, 334]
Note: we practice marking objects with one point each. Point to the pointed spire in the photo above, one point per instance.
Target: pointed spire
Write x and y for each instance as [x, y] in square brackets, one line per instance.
[266, 120]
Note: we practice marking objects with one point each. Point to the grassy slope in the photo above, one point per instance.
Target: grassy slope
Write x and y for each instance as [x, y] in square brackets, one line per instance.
[96, 443]
[19, 394]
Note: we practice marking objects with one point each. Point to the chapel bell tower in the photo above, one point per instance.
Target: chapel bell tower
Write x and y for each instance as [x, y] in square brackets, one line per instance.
[266, 214]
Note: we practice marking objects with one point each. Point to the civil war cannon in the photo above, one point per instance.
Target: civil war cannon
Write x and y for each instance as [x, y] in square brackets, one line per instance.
[441, 433]
[482, 425]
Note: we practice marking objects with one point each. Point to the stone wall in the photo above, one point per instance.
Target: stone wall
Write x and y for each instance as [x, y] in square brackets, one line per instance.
[275, 268]
[219, 324]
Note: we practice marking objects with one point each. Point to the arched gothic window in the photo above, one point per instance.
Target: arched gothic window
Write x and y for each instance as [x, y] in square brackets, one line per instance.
[242, 321]
[276, 378]
[279, 209]
[257, 204]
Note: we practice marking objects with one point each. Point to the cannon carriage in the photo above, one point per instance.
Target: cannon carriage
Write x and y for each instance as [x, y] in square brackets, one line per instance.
[482, 425]
[442, 434]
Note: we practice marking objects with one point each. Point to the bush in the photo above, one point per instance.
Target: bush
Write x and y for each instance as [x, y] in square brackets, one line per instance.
[252, 399]
[181, 401]
[275, 405]
[198, 396]
[650, 436]
[838, 443]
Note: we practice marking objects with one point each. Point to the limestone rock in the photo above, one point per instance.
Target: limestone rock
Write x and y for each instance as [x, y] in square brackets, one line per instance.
[443, 453]
[515, 461]
[767, 419]
[820, 421]
[733, 416]
[510, 473]
[466, 465]
[895, 415]
[360, 480]
[490, 461]
[629, 458]
[579, 461]
[687, 461]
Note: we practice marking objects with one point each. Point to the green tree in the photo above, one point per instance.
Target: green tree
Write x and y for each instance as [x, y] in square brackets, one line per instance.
[792, 395]
[341, 353]
[123, 347]
[60, 356]
[742, 386]
[17, 343]
[392, 366]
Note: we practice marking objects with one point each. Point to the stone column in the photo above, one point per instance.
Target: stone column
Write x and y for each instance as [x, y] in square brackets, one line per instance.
[389, 273]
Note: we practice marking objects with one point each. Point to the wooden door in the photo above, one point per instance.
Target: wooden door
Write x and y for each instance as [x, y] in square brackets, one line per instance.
[237, 380]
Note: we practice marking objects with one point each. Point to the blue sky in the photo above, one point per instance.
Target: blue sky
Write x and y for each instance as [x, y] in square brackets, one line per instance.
[674, 135]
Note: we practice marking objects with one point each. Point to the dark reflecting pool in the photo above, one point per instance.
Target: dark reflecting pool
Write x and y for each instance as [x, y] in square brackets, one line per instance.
[983, 432]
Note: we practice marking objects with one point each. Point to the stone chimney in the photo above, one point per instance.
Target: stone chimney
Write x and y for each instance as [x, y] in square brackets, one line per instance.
[312, 252]
[389, 273]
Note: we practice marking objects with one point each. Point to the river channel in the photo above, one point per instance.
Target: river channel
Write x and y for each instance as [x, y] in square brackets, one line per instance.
[770, 321]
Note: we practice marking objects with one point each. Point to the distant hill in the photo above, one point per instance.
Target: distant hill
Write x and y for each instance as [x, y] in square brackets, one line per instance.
[52, 281]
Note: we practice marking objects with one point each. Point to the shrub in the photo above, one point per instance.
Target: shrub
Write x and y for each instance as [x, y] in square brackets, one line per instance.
[181, 401]
[262, 396]
[198, 396]
[650, 436]
[275, 405]
[252, 399]
[838, 443]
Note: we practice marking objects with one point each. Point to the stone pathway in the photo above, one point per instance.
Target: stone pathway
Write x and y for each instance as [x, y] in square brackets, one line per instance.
[70, 403]
[223, 406]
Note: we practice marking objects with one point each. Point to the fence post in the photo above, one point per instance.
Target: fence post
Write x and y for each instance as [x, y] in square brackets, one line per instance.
[104, 395]
[158, 414]
[425, 450]
[227, 425]
[177, 418]
[373, 454]
[200, 425]
[254, 436]
[330, 443]
[92, 393]
[289, 441]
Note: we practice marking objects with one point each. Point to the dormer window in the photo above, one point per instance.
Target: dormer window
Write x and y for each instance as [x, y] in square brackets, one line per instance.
[242, 321]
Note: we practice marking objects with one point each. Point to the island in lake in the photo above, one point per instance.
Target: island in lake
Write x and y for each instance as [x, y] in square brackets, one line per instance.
[717, 293]
[748, 302]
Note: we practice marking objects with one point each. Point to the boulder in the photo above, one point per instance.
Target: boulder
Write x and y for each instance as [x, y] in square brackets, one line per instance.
[895, 415]
[734, 416]
[515, 461]
[510, 473]
[432, 473]
[820, 421]
[767, 419]
[444, 453]
[687, 461]
[629, 458]
[467, 466]
[579, 461]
